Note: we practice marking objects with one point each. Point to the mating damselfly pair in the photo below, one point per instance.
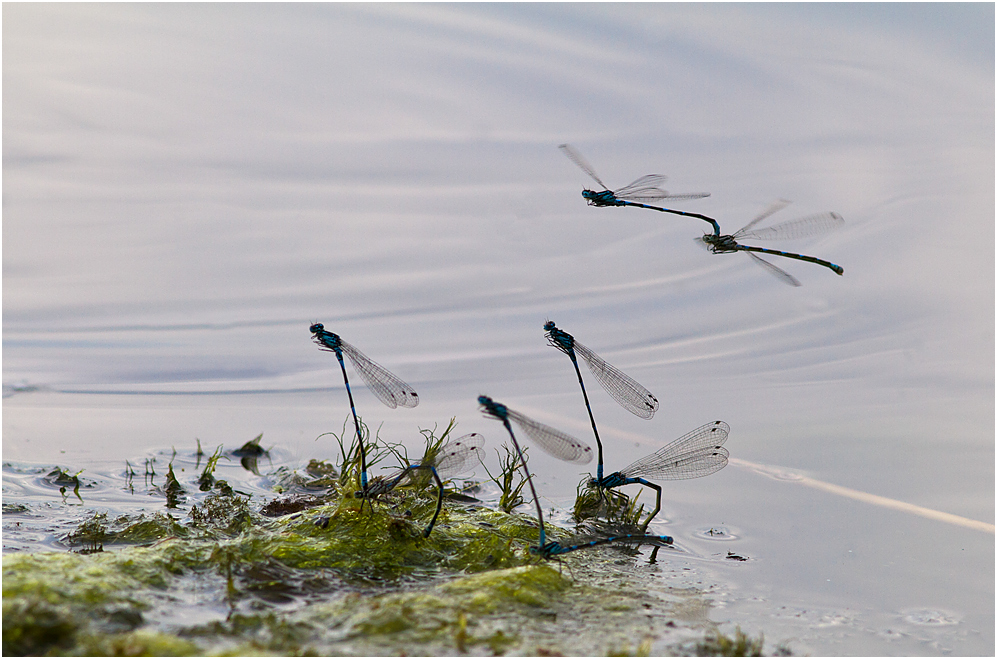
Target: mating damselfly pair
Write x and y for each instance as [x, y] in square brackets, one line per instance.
[698, 453]
[646, 189]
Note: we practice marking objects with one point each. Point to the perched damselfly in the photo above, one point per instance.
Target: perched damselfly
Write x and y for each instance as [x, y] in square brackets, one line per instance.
[567, 448]
[385, 385]
[626, 391]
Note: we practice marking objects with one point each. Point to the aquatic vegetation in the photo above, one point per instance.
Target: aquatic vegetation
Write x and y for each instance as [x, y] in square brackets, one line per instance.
[510, 479]
[353, 460]
[207, 479]
[741, 645]
[172, 489]
[91, 534]
[307, 569]
[249, 453]
[611, 505]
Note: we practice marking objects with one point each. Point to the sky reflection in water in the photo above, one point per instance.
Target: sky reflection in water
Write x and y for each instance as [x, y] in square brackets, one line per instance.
[187, 188]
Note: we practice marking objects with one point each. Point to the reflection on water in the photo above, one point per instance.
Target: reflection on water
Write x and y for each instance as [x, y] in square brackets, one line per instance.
[179, 208]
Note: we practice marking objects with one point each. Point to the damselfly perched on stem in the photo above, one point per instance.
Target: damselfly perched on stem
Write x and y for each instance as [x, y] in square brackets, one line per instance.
[385, 385]
[626, 391]
[810, 225]
[693, 455]
[565, 447]
[643, 189]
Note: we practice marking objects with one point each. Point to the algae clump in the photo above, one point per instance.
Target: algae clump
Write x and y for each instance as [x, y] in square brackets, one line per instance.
[324, 572]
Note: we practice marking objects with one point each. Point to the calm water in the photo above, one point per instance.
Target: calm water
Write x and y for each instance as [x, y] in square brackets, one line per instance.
[187, 188]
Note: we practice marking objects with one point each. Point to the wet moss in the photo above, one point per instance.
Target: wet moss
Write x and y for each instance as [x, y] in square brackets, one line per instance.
[738, 645]
[143, 530]
[140, 643]
[49, 599]
[33, 625]
[90, 534]
[339, 575]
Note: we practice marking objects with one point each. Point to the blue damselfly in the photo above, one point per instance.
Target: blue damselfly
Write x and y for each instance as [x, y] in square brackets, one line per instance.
[555, 548]
[561, 446]
[693, 455]
[625, 390]
[810, 225]
[643, 189]
[385, 385]
[553, 441]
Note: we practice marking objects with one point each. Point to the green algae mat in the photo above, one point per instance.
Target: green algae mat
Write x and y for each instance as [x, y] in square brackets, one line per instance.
[289, 562]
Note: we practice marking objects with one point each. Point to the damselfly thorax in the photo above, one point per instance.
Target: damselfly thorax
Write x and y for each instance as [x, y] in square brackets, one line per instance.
[720, 244]
[604, 198]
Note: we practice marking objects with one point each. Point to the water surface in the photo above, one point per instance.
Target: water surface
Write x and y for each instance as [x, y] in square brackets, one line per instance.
[187, 188]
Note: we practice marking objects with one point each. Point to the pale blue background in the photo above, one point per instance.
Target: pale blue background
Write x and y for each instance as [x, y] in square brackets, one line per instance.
[187, 187]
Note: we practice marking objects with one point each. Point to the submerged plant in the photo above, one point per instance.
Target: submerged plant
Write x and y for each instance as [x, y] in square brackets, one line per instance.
[62, 479]
[207, 479]
[173, 489]
[252, 447]
[129, 476]
[249, 453]
[150, 471]
[91, 534]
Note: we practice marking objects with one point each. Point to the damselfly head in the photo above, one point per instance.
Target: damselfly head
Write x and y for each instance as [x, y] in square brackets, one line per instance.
[549, 325]
[491, 408]
[316, 328]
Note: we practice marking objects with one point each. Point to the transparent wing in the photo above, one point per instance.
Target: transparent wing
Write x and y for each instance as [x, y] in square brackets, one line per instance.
[774, 208]
[695, 454]
[577, 158]
[556, 443]
[780, 274]
[383, 484]
[811, 225]
[646, 185]
[624, 389]
[454, 456]
[388, 387]
[646, 189]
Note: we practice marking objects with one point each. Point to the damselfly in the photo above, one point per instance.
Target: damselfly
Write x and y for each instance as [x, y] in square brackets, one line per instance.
[449, 461]
[805, 226]
[625, 390]
[561, 446]
[643, 189]
[555, 548]
[554, 442]
[695, 454]
[385, 385]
